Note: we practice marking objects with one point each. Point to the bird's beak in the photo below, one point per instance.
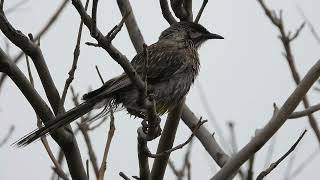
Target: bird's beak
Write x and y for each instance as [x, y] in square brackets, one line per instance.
[213, 36]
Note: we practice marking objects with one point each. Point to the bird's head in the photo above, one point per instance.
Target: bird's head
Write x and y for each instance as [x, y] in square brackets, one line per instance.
[188, 31]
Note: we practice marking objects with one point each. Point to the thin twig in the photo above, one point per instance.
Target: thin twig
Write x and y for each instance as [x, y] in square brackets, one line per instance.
[76, 54]
[205, 103]
[112, 129]
[94, 18]
[83, 127]
[166, 12]
[286, 39]
[125, 177]
[303, 165]
[270, 151]
[275, 164]
[206, 138]
[58, 168]
[15, 6]
[41, 33]
[306, 112]
[200, 123]
[204, 3]
[275, 123]
[234, 144]
[7, 136]
[144, 169]
[250, 168]
[309, 24]
[87, 167]
[99, 74]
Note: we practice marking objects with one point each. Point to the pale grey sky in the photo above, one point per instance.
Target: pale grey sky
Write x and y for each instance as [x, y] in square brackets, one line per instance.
[242, 76]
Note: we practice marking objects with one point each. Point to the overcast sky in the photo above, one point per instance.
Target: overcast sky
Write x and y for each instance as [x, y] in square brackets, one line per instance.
[241, 76]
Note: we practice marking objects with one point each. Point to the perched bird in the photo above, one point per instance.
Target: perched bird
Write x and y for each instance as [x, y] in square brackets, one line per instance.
[173, 64]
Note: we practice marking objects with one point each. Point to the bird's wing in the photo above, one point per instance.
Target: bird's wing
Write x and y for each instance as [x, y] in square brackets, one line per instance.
[163, 61]
[109, 87]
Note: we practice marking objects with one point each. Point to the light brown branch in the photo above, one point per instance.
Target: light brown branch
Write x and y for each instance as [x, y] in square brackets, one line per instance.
[103, 166]
[58, 168]
[166, 152]
[83, 127]
[205, 137]
[286, 39]
[306, 112]
[272, 126]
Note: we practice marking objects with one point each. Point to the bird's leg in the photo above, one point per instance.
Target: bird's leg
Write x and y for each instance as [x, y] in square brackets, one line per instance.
[151, 124]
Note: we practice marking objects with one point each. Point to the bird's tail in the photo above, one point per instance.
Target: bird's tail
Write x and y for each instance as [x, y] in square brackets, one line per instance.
[60, 121]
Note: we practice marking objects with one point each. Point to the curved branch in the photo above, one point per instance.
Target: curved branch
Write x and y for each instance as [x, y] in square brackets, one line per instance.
[272, 126]
[166, 12]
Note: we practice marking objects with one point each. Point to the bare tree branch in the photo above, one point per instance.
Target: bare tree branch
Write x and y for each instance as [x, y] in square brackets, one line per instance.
[125, 177]
[309, 24]
[166, 12]
[58, 168]
[275, 164]
[16, 6]
[84, 130]
[179, 9]
[272, 126]
[286, 39]
[250, 168]
[94, 18]
[99, 74]
[187, 4]
[306, 112]
[103, 166]
[168, 151]
[166, 141]
[76, 54]
[213, 120]
[303, 165]
[41, 33]
[206, 138]
[7, 136]
[105, 43]
[270, 151]
[63, 137]
[144, 169]
[201, 11]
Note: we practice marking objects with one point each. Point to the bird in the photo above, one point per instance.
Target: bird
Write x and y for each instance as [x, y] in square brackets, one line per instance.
[173, 65]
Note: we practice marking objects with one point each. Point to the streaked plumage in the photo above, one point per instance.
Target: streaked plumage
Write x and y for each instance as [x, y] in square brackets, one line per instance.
[173, 65]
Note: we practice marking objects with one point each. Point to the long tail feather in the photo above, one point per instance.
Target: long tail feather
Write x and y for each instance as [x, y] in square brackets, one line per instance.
[60, 121]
